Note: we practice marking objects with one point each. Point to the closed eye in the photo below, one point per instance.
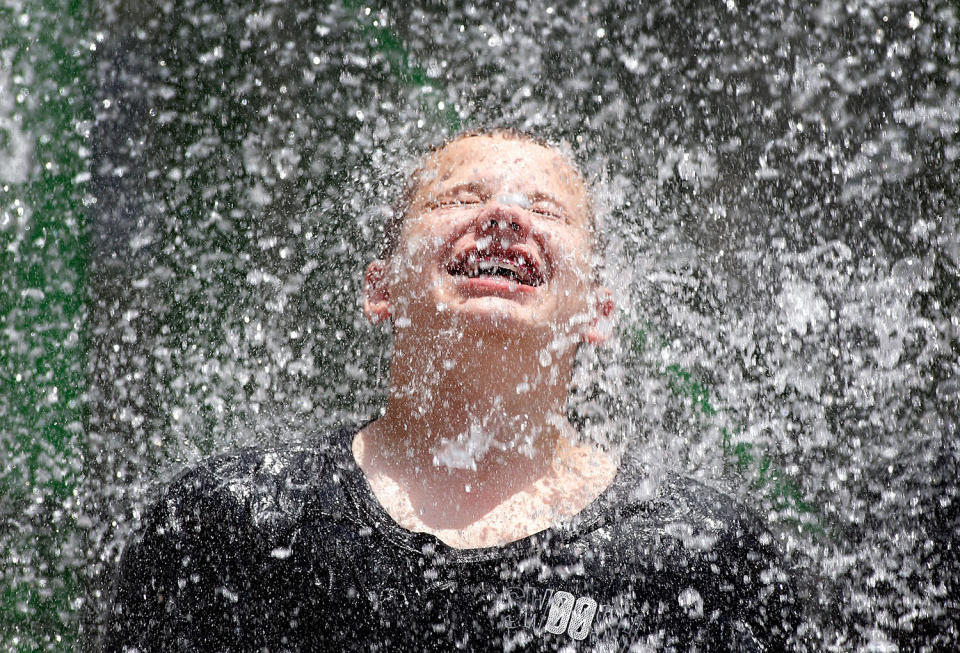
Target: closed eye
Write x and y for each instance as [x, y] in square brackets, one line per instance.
[458, 199]
[452, 203]
[547, 211]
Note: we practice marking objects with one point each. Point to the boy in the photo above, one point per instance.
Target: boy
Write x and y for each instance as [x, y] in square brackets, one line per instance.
[470, 515]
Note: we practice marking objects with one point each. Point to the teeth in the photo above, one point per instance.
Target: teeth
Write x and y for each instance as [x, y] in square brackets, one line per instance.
[514, 268]
[486, 266]
[499, 267]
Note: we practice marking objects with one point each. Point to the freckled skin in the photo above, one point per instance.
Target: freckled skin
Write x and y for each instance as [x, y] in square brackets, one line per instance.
[468, 350]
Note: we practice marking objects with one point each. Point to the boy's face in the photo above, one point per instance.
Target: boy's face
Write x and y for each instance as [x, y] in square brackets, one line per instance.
[497, 236]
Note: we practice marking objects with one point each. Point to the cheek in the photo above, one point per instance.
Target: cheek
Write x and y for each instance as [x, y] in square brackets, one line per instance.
[426, 237]
[415, 275]
[572, 261]
[418, 252]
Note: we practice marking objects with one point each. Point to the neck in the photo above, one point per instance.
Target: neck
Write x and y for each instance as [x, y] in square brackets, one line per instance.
[476, 426]
[483, 408]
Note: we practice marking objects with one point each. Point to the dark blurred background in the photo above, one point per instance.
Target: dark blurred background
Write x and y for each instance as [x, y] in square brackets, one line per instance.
[779, 189]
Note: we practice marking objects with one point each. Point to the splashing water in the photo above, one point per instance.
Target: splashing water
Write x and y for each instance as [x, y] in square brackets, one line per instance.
[186, 210]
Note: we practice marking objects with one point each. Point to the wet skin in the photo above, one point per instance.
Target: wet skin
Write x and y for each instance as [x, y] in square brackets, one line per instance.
[490, 290]
[500, 201]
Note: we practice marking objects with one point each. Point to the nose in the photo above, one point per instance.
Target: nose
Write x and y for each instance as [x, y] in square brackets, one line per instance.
[503, 221]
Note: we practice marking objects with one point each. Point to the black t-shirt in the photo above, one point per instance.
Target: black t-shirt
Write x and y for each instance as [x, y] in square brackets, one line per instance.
[288, 549]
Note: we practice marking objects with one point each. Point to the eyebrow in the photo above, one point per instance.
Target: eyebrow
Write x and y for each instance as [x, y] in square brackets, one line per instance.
[542, 196]
[469, 186]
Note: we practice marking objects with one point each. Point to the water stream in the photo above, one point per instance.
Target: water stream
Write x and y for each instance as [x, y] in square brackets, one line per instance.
[778, 184]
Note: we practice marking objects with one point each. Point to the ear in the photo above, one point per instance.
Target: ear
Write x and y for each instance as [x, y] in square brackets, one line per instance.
[376, 292]
[598, 330]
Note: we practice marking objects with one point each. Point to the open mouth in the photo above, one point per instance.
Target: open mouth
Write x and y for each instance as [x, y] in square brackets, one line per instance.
[511, 266]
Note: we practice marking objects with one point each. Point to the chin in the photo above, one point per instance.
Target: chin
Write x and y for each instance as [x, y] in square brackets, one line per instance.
[495, 316]
[480, 316]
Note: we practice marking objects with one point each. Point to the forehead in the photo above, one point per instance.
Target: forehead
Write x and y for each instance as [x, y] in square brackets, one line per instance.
[504, 165]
